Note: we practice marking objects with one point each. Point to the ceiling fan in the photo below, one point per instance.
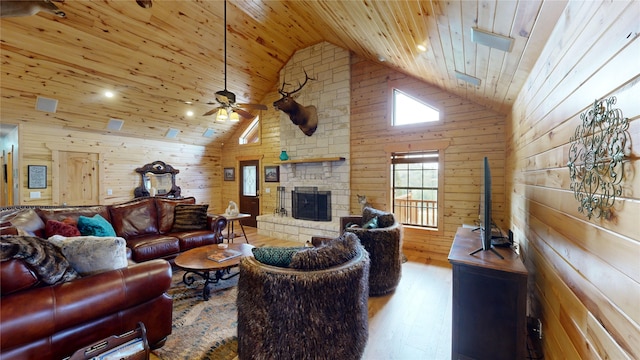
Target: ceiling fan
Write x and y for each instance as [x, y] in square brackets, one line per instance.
[226, 100]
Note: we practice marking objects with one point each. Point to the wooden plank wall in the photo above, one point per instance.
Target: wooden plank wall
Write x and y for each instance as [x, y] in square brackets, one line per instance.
[200, 172]
[267, 151]
[471, 130]
[585, 274]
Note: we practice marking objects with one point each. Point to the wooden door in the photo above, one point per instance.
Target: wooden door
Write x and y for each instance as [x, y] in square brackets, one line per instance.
[79, 181]
[250, 191]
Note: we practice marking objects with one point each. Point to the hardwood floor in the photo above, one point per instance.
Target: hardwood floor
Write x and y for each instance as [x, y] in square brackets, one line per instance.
[412, 323]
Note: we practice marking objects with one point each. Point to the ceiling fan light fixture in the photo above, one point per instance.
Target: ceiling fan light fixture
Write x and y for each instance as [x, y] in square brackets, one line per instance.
[234, 116]
[222, 115]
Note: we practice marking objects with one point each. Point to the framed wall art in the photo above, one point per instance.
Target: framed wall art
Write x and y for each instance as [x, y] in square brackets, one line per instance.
[272, 173]
[37, 176]
[229, 174]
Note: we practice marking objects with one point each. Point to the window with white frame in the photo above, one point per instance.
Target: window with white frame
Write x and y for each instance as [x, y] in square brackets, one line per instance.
[408, 110]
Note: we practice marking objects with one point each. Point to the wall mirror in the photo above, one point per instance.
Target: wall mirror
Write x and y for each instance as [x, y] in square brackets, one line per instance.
[157, 179]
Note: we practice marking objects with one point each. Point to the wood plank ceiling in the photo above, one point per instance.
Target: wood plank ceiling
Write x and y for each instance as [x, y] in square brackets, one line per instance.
[155, 59]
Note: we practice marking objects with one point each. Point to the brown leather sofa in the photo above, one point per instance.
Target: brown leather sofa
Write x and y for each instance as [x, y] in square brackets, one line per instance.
[39, 321]
[51, 322]
[145, 223]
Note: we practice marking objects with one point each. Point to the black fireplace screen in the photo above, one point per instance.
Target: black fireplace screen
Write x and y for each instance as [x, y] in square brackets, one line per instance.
[307, 203]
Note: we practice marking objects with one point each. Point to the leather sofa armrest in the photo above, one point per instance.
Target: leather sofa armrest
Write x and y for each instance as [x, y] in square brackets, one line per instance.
[36, 314]
[357, 219]
[217, 224]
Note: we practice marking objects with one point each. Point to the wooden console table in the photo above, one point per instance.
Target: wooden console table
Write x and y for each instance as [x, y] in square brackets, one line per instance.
[489, 301]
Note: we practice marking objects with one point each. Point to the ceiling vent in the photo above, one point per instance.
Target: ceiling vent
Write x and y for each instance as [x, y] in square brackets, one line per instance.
[208, 133]
[172, 133]
[46, 104]
[115, 124]
[495, 41]
[468, 78]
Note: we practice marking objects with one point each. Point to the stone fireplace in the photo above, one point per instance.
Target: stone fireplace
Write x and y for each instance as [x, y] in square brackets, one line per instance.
[320, 161]
[307, 203]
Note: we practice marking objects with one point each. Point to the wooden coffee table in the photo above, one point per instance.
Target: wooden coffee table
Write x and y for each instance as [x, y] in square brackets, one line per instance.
[197, 262]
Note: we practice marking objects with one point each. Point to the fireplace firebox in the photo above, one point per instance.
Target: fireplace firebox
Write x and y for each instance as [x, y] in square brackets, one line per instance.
[307, 203]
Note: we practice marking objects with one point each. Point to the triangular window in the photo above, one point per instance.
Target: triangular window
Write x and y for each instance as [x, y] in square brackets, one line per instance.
[408, 110]
[252, 134]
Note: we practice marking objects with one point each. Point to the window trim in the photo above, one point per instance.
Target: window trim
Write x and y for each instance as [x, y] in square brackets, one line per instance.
[391, 88]
[404, 158]
[436, 145]
[258, 126]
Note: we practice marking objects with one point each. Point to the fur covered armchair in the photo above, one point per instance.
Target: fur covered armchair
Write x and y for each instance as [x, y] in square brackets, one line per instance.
[311, 305]
[381, 235]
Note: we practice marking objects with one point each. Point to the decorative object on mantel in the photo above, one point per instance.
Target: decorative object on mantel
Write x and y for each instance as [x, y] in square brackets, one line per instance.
[158, 179]
[283, 155]
[596, 158]
[306, 117]
[280, 206]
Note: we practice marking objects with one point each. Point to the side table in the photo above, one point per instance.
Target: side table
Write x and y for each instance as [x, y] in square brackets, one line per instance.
[231, 219]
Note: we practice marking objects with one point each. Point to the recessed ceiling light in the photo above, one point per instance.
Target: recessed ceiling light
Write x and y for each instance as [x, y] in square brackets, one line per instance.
[422, 47]
[108, 94]
[189, 113]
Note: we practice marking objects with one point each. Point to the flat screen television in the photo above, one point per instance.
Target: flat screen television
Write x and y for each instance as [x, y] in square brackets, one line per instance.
[485, 206]
[485, 211]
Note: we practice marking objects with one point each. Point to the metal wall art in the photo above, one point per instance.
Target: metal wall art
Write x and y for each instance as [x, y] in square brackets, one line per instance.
[596, 158]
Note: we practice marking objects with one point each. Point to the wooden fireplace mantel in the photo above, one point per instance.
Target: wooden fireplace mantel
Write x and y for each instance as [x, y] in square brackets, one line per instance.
[326, 163]
[311, 160]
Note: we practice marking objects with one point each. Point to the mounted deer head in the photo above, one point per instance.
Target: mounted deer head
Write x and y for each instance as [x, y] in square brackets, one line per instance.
[306, 117]
[28, 8]
[17, 8]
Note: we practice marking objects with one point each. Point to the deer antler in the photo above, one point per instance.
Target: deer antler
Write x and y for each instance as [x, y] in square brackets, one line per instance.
[288, 94]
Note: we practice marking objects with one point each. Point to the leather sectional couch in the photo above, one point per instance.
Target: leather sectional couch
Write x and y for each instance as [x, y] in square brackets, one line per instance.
[40, 321]
[145, 223]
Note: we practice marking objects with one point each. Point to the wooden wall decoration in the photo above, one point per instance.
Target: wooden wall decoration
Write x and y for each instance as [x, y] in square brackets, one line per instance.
[596, 158]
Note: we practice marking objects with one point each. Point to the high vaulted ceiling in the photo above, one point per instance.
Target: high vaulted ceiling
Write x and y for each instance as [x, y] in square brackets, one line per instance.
[157, 58]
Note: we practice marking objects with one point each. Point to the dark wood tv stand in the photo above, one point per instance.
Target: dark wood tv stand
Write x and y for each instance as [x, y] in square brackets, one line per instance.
[489, 301]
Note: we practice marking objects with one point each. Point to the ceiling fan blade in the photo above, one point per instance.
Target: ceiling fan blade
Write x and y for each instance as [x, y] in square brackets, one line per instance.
[253, 106]
[212, 111]
[243, 113]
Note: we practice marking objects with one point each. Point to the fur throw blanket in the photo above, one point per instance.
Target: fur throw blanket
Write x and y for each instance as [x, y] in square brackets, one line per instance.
[43, 257]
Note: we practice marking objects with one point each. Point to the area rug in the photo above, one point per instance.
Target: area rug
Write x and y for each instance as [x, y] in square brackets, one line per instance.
[202, 329]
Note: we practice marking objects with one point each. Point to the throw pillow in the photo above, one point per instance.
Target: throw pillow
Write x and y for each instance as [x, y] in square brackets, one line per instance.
[59, 228]
[371, 224]
[93, 254]
[27, 222]
[332, 253]
[385, 219]
[190, 217]
[44, 258]
[276, 256]
[95, 226]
